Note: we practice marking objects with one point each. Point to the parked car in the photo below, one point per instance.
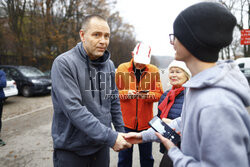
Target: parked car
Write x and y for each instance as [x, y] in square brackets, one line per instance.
[243, 62]
[246, 72]
[10, 89]
[29, 80]
[47, 73]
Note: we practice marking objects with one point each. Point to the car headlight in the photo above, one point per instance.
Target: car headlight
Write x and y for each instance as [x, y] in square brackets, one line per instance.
[35, 81]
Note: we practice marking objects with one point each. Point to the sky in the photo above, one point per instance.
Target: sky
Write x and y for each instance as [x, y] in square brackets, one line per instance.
[153, 21]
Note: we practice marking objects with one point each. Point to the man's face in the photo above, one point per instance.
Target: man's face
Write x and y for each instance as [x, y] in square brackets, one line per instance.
[139, 66]
[181, 53]
[95, 38]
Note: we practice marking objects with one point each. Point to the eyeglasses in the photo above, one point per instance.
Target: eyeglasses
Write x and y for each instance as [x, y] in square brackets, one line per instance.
[172, 38]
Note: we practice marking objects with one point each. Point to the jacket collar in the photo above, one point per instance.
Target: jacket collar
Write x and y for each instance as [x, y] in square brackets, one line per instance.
[100, 61]
[130, 69]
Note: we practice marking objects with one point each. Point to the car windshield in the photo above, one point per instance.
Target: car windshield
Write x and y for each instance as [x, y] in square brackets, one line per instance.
[31, 72]
[8, 78]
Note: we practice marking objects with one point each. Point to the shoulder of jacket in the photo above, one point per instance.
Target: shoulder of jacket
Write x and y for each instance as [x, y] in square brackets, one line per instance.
[111, 63]
[66, 56]
[164, 95]
[152, 67]
[123, 66]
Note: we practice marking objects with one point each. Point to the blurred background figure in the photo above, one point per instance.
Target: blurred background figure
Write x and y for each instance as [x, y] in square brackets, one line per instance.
[2, 96]
[170, 103]
[139, 87]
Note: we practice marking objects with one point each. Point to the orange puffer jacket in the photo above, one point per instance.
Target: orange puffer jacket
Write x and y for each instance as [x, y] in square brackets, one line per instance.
[138, 112]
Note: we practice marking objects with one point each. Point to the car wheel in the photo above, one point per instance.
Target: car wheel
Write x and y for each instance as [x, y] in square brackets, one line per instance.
[26, 92]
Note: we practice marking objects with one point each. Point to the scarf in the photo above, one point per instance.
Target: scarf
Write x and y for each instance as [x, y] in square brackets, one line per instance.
[167, 103]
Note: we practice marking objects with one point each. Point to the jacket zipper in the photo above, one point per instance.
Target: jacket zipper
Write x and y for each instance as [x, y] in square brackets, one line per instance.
[136, 116]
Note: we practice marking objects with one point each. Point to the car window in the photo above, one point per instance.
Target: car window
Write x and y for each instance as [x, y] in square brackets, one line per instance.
[247, 71]
[8, 78]
[7, 71]
[31, 72]
[12, 72]
[241, 65]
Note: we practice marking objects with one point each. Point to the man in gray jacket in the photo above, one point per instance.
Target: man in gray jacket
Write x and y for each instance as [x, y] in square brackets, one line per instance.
[81, 79]
[214, 124]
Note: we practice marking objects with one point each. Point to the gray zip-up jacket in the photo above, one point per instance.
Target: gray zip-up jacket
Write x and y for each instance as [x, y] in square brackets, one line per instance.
[83, 111]
[215, 124]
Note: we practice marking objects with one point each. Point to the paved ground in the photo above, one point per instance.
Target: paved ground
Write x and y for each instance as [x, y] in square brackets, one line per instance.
[26, 130]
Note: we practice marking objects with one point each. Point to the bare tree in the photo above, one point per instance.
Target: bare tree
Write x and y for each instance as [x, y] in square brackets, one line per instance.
[15, 11]
[34, 32]
[241, 9]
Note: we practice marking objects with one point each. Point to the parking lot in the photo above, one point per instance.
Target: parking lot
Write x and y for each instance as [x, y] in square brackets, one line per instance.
[26, 130]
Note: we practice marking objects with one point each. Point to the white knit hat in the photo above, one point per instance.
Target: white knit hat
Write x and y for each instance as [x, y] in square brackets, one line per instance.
[142, 53]
[182, 65]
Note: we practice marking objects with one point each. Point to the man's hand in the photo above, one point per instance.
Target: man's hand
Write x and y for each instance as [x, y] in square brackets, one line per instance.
[166, 142]
[132, 94]
[133, 137]
[121, 143]
[143, 95]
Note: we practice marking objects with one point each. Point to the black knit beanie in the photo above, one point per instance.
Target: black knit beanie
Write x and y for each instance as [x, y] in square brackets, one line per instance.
[204, 29]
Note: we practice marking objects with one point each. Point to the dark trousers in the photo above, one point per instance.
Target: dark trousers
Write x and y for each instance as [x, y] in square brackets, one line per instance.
[145, 150]
[1, 112]
[63, 158]
[166, 161]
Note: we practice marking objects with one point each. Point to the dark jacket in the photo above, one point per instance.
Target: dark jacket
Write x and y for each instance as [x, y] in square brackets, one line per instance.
[82, 112]
[176, 109]
[2, 84]
[174, 112]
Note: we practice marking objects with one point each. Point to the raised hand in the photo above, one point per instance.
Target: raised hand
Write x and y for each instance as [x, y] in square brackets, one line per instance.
[133, 137]
[121, 143]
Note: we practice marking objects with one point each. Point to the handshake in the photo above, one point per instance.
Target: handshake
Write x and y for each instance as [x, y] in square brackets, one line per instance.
[125, 140]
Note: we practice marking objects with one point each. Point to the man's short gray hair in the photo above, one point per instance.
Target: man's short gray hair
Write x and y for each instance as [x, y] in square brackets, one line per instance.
[88, 18]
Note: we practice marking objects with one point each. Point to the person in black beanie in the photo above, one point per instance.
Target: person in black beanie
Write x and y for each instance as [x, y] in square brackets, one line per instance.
[215, 124]
[204, 29]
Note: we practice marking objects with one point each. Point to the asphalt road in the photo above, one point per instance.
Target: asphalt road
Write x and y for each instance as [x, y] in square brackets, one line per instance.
[27, 132]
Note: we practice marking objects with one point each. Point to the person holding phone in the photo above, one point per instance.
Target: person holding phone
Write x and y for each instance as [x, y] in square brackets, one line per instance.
[170, 103]
[215, 123]
[139, 87]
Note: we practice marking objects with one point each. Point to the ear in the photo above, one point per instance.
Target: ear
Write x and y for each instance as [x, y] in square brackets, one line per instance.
[82, 33]
[132, 53]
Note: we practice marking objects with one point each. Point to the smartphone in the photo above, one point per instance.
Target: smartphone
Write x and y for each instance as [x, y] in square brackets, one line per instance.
[143, 91]
[159, 126]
